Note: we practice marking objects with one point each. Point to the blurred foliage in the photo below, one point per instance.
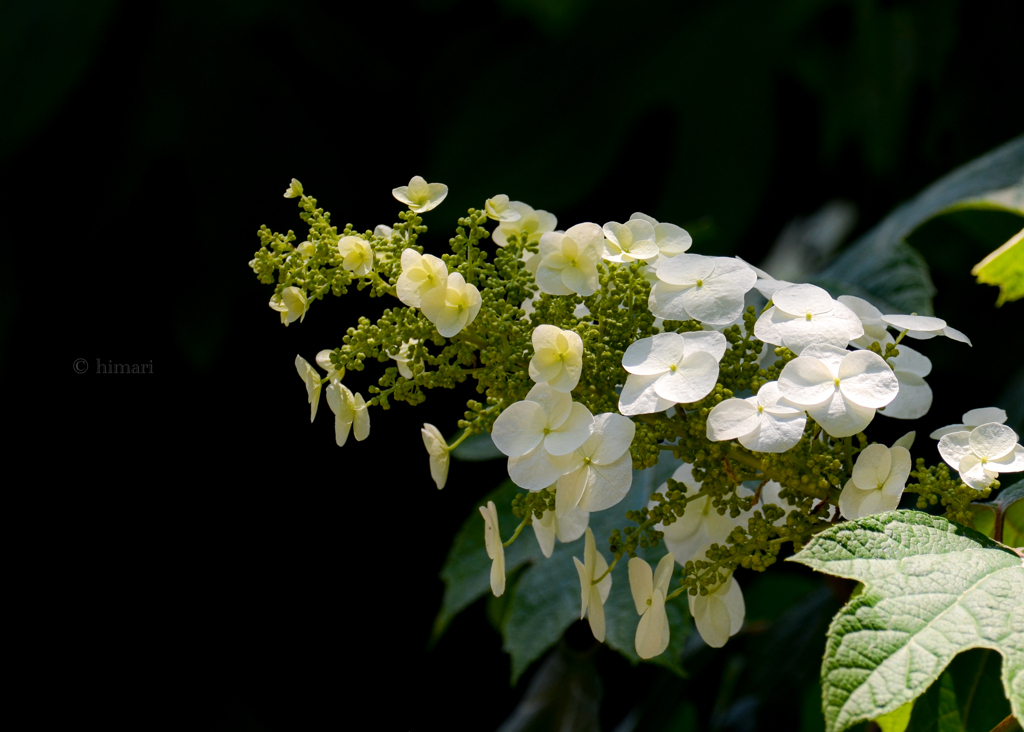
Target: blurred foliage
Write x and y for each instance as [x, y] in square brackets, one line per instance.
[1004, 268]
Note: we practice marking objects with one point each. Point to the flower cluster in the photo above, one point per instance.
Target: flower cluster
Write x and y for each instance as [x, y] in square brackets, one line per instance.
[602, 349]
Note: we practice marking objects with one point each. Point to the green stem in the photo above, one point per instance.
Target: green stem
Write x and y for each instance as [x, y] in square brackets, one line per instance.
[848, 454]
[462, 438]
[606, 572]
[526, 520]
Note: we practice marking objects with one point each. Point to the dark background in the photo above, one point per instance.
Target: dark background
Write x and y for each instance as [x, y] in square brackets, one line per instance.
[191, 553]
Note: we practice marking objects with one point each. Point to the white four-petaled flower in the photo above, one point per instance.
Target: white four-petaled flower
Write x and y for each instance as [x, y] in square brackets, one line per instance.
[601, 469]
[972, 419]
[668, 369]
[981, 454]
[540, 434]
[495, 550]
[557, 357]
[840, 389]
[708, 289]
[649, 591]
[568, 527]
[292, 305]
[806, 315]
[629, 241]
[534, 223]
[594, 595]
[767, 422]
[294, 189]
[915, 396]
[350, 412]
[438, 450]
[452, 306]
[672, 240]
[419, 195]
[499, 209]
[357, 255]
[718, 614]
[421, 273]
[878, 480]
[568, 262]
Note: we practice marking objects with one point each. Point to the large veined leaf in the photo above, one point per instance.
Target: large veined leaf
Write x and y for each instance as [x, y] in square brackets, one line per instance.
[885, 270]
[1004, 268]
[932, 590]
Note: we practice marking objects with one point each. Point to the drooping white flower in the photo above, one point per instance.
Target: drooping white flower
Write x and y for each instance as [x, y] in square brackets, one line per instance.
[981, 454]
[840, 389]
[419, 195]
[601, 471]
[357, 255]
[915, 396]
[557, 357]
[453, 306]
[708, 289]
[594, 595]
[767, 422]
[806, 315]
[438, 450]
[629, 241]
[311, 378]
[292, 305]
[649, 591]
[569, 527]
[403, 359]
[323, 360]
[700, 525]
[670, 368]
[719, 614]
[498, 208]
[539, 434]
[568, 262]
[876, 330]
[421, 273]
[349, 412]
[671, 239]
[879, 477]
[971, 420]
[495, 550]
[534, 223]
[924, 327]
[294, 189]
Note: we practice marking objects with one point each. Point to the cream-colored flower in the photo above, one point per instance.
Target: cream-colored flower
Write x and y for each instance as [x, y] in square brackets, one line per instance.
[719, 614]
[292, 305]
[421, 273]
[878, 480]
[533, 223]
[419, 195]
[568, 262]
[649, 592]
[495, 550]
[557, 357]
[438, 450]
[294, 189]
[452, 307]
[499, 209]
[403, 359]
[357, 256]
[569, 527]
[349, 411]
[311, 378]
[594, 595]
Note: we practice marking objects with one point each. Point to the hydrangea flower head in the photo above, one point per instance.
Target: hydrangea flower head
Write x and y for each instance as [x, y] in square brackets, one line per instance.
[981, 454]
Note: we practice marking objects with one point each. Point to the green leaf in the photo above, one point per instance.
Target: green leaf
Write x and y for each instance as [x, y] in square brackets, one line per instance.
[1004, 268]
[932, 590]
[972, 679]
[1006, 507]
[882, 268]
[896, 721]
[937, 710]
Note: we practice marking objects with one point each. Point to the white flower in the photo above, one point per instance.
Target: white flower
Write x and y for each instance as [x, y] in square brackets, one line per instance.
[294, 189]
[594, 596]
[534, 223]
[312, 380]
[649, 591]
[670, 368]
[840, 389]
[383, 231]
[981, 454]
[357, 256]
[557, 357]
[878, 480]
[766, 284]
[719, 614]
[569, 527]
[495, 550]
[403, 359]
[601, 472]
[419, 195]
[915, 396]
[568, 262]
[971, 420]
[708, 289]
[305, 250]
[540, 434]
[438, 450]
[349, 411]
[453, 306]
[629, 241]
[805, 315]
[700, 525]
[767, 422]
[323, 360]
[498, 208]
[924, 327]
[421, 273]
[671, 239]
[292, 305]
[875, 329]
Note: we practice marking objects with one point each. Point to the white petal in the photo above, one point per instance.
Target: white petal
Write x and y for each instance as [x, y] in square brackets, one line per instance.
[732, 419]
[709, 341]
[538, 468]
[831, 356]
[668, 301]
[571, 525]
[907, 441]
[544, 530]
[654, 355]
[776, 433]
[872, 468]
[992, 440]
[596, 614]
[520, 428]
[898, 473]
[607, 484]
[693, 380]
[652, 633]
[556, 405]
[497, 568]
[550, 280]
[718, 300]
[841, 417]
[611, 437]
[866, 379]
[868, 313]
[361, 422]
[1011, 462]
[584, 586]
[806, 380]
[641, 583]
[915, 323]
[711, 616]
[733, 599]
[663, 573]
[769, 397]
[803, 299]
[955, 335]
[984, 416]
[572, 433]
[639, 397]
[850, 500]
[685, 269]
[570, 490]
[913, 361]
[972, 472]
[913, 400]
[948, 430]
[672, 240]
[954, 447]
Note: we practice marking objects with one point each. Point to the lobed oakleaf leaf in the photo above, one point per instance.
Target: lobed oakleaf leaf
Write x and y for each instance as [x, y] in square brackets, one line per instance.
[932, 589]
